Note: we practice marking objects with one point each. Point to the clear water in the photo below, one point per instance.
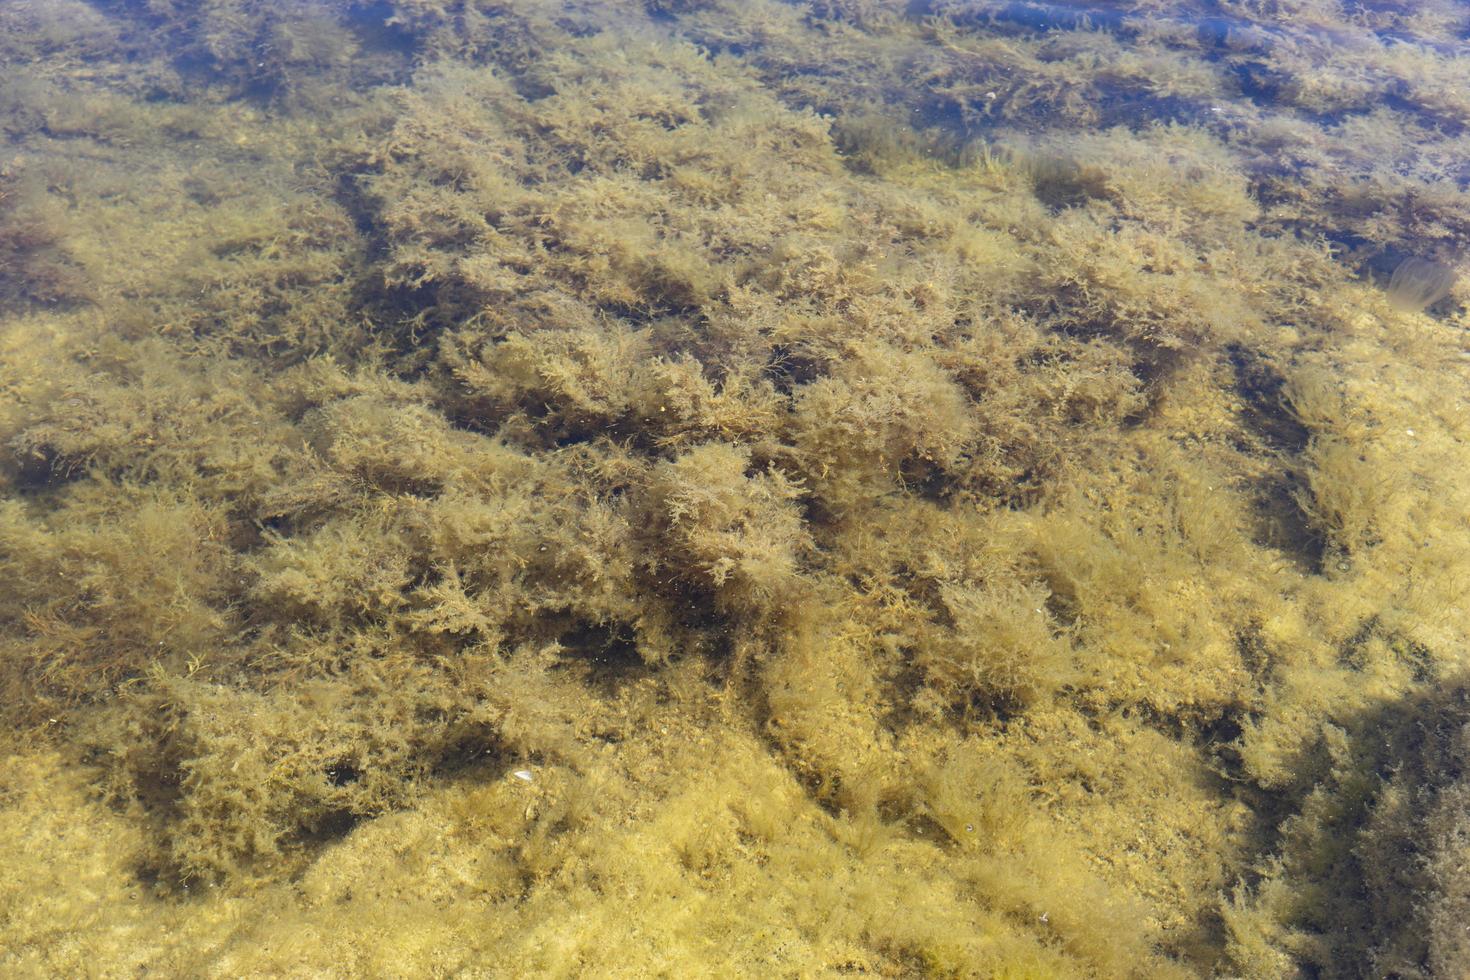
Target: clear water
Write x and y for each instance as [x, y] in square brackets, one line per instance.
[697, 488]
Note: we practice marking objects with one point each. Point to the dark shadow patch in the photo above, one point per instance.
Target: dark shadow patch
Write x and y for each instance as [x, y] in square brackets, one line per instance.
[342, 773]
[328, 827]
[1275, 431]
[1282, 524]
[1354, 837]
[471, 750]
[787, 370]
[1265, 409]
[608, 652]
[41, 468]
[927, 479]
[379, 31]
[1259, 82]
[1254, 654]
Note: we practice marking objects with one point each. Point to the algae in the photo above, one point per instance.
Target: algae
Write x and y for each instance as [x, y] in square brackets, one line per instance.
[596, 487]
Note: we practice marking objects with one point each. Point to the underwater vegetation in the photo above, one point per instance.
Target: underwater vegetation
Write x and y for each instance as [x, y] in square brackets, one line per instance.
[765, 488]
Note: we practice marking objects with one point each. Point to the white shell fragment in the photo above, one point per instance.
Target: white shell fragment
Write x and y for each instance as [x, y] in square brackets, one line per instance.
[524, 775]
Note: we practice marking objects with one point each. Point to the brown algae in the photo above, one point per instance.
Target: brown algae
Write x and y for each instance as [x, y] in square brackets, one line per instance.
[711, 489]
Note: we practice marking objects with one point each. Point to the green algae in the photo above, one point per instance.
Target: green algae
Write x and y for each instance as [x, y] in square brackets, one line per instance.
[710, 488]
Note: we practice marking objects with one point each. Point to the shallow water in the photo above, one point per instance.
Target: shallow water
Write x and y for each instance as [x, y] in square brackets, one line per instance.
[710, 488]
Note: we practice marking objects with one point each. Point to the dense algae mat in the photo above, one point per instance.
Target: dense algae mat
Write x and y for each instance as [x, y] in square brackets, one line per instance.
[718, 487]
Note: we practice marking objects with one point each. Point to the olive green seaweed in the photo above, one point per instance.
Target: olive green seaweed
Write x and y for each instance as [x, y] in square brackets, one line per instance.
[711, 488]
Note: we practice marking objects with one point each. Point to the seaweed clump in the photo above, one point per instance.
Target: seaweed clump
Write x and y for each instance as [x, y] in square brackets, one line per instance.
[511, 474]
[1387, 821]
